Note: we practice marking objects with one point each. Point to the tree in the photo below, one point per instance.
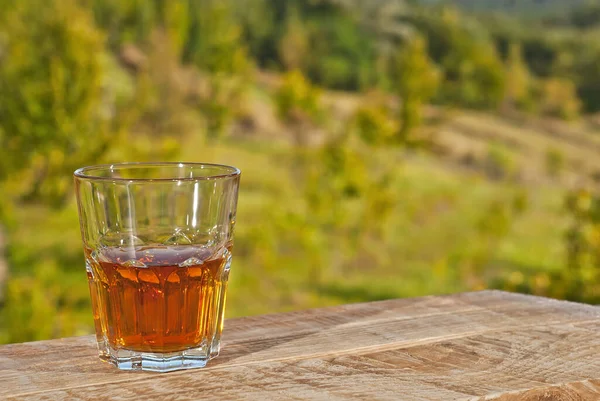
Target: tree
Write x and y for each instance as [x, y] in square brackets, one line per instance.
[473, 70]
[293, 46]
[416, 80]
[173, 17]
[297, 98]
[374, 124]
[582, 280]
[257, 20]
[518, 91]
[557, 97]
[214, 42]
[55, 111]
[124, 21]
[52, 114]
[298, 104]
[586, 74]
[386, 20]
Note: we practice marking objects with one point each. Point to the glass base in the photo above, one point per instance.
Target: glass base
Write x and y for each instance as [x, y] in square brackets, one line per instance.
[158, 362]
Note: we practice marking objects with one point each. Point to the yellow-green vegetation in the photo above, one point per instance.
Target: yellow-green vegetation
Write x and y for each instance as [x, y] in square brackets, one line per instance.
[54, 118]
[583, 242]
[416, 79]
[320, 104]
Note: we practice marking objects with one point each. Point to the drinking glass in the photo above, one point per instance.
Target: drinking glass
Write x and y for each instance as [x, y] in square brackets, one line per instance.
[157, 239]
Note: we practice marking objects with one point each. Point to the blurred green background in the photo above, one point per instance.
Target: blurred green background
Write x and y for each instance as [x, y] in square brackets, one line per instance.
[389, 148]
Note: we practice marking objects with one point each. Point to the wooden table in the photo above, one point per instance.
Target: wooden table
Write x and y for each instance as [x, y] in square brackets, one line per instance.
[477, 346]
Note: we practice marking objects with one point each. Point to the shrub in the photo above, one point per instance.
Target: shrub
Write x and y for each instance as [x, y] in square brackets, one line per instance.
[499, 163]
[555, 162]
[52, 108]
[557, 97]
[416, 80]
[374, 124]
[297, 99]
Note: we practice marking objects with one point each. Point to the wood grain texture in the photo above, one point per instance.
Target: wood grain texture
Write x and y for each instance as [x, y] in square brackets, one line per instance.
[477, 346]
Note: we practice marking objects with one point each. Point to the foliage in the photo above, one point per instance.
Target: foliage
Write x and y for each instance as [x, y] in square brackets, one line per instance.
[294, 45]
[583, 247]
[220, 100]
[416, 81]
[558, 98]
[583, 72]
[532, 7]
[585, 15]
[555, 162]
[46, 130]
[124, 21]
[163, 88]
[259, 28]
[518, 80]
[214, 38]
[297, 99]
[297, 103]
[473, 71]
[46, 295]
[341, 212]
[342, 54]
[499, 163]
[351, 42]
[554, 97]
[374, 123]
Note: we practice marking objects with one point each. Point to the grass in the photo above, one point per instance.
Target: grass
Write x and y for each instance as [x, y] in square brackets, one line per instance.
[536, 240]
[434, 220]
[285, 259]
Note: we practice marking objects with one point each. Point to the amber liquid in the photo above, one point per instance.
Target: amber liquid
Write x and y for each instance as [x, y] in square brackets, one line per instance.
[158, 299]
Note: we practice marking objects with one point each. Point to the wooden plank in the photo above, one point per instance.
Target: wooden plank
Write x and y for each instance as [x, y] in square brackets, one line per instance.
[465, 346]
[484, 365]
[578, 391]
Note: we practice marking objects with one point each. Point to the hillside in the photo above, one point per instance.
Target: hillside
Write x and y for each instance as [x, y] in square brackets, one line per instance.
[388, 150]
[465, 139]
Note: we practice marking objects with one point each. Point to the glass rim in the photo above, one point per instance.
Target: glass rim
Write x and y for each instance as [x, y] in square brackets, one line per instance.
[85, 172]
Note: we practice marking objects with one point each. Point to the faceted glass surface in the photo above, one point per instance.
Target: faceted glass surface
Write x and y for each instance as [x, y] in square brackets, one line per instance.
[158, 240]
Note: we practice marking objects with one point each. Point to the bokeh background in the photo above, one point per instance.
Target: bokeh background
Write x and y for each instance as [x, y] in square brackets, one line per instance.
[389, 148]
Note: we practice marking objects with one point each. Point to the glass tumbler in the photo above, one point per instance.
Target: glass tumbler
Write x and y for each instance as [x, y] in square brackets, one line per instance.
[157, 239]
